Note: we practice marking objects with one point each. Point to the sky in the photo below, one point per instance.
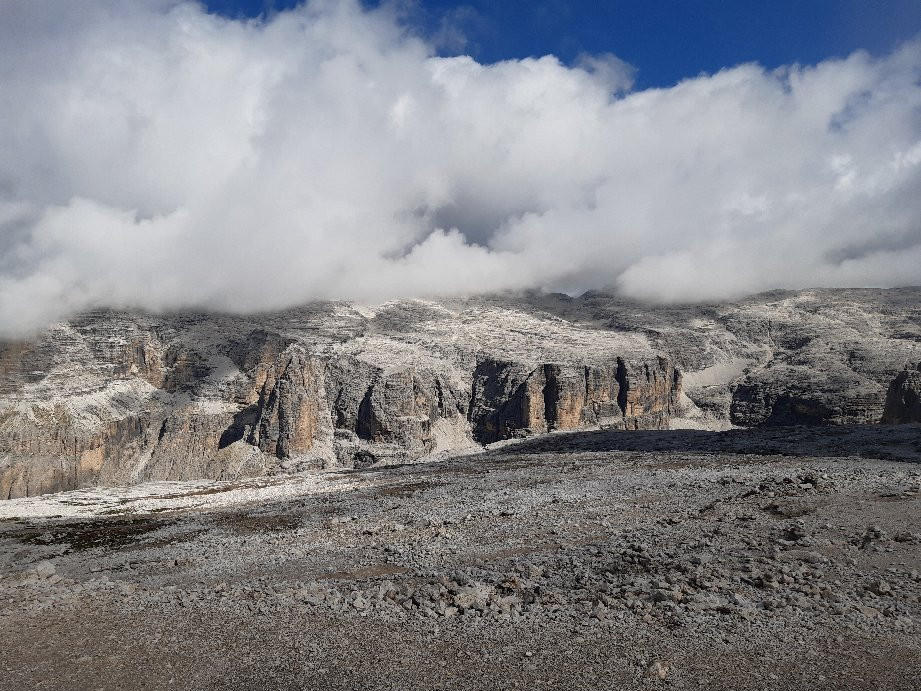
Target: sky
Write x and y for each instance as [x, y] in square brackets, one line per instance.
[163, 155]
[667, 40]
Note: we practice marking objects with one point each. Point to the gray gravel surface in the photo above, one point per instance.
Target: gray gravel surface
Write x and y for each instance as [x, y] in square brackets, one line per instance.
[566, 562]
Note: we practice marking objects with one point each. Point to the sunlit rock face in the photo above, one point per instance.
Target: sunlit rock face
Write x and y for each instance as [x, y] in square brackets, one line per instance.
[119, 398]
[116, 398]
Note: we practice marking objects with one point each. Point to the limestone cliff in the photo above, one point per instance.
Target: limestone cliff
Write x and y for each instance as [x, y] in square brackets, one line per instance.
[903, 399]
[510, 400]
[115, 398]
[811, 357]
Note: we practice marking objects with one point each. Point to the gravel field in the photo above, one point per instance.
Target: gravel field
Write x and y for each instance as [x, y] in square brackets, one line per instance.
[602, 560]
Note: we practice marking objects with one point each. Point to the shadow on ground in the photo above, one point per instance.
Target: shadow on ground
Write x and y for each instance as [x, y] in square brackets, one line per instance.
[886, 442]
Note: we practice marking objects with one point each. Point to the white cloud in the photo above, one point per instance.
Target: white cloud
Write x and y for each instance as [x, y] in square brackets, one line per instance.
[153, 155]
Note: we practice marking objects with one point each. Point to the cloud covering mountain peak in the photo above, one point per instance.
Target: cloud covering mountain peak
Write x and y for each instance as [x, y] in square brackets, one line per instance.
[158, 156]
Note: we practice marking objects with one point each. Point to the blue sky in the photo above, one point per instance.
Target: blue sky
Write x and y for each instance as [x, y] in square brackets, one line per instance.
[666, 40]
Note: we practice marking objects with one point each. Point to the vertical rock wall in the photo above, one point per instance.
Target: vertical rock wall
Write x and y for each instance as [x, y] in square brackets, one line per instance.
[903, 400]
[511, 400]
[115, 400]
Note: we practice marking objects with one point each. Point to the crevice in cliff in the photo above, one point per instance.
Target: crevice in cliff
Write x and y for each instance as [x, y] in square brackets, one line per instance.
[364, 427]
[551, 394]
[623, 386]
[162, 432]
[440, 398]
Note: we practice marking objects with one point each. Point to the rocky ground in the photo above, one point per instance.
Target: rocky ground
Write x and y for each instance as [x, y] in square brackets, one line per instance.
[786, 558]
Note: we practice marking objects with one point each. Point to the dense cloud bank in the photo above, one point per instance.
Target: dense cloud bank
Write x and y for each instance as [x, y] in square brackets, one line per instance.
[155, 155]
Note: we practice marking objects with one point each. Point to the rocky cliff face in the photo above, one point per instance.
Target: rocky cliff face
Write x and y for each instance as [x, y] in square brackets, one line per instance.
[116, 398]
[511, 400]
[903, 400]
[113, 398]
[814, 357]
